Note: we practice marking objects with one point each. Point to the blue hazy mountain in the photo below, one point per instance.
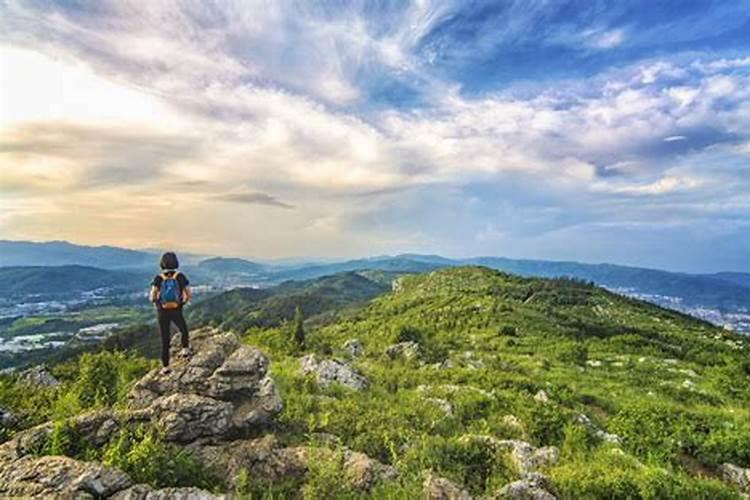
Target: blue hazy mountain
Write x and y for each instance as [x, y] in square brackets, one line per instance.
[727, 292]
[63, 253]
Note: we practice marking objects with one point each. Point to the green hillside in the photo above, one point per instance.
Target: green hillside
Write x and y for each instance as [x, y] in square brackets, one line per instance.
[244, 308]
[674, 388]
[641, 402]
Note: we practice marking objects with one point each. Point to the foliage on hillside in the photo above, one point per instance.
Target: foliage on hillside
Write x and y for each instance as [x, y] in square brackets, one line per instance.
[245, 308]
[676, 390]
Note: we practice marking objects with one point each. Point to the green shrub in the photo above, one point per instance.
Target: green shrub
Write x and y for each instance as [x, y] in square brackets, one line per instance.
[148, 459]
[509, 331]
[545, 424]
[324, 476]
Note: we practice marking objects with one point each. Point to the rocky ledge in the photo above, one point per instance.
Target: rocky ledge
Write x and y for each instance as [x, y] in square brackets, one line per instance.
[215, 404]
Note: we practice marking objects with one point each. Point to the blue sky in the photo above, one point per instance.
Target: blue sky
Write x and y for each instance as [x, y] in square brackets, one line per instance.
[611, 131]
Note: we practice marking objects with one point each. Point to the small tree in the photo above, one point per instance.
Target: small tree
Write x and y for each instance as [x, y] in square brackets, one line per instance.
[299, 327]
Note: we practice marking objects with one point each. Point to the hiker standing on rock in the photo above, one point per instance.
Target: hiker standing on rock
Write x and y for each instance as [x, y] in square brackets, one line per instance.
[169, 293]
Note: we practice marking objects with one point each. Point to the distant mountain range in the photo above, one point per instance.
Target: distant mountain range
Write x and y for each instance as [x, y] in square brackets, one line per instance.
[706, 295]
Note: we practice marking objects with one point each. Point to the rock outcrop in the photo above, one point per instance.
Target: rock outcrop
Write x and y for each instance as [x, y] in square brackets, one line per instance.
[354, 348]
[223, 389]
[38, 375]
[143, 492]
[532, 487]
[525, 457]
[736, 476]
[329, 371]
[265, 458]
[595, 431]
[7, 419]
[59, 477]
[222, 392]
[211, 404]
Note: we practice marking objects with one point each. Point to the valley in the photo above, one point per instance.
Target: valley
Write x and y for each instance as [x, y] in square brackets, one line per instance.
[69, 304]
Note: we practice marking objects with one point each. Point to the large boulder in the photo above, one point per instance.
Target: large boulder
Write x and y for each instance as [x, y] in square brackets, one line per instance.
[223, 389]
[261, 457]
[60, 477]
[329, 371]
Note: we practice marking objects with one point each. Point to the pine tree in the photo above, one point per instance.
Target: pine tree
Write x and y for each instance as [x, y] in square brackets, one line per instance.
[299, 327]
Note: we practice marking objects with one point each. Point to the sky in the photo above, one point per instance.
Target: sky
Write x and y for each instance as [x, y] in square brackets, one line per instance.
[598, 131]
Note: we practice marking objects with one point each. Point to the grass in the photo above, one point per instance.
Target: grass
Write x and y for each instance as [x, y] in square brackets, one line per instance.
[677, 390]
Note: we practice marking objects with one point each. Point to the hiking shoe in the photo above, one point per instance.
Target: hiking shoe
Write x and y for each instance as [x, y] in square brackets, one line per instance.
[165, 371]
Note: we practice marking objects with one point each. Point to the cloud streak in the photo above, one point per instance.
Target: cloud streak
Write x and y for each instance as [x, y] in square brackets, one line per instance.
[253, 198]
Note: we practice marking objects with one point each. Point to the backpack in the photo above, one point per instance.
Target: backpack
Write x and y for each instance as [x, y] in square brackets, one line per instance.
[170, 295]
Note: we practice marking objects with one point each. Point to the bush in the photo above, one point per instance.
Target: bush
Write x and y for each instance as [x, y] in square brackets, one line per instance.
[546, 424]
[509, 331]
[148, 459]
[104, 378]
[406, 333]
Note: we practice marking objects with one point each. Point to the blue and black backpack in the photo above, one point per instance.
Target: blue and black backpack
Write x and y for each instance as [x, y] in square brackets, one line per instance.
[170, 295]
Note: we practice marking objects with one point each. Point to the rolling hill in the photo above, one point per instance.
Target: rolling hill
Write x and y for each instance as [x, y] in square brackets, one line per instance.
[466, 379]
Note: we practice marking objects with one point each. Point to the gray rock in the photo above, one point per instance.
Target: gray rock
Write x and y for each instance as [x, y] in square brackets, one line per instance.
[443, 404]
[541, 397]
[525, 457]
[439, 488]
[145, 492]
[221, 392]
[736, 476]
[38, 375]
[362, 471]
[223, 375]
[532, 487]
[354, 348]
[187, 417]
[406, 350]
[328, 371]
[239, 374]
[595, 431]
[60, 477]
[261, 458]
[7, 419]
[265, 458]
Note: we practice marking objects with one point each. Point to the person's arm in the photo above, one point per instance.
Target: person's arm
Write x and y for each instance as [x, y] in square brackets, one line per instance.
[186, 295]
[153, 295]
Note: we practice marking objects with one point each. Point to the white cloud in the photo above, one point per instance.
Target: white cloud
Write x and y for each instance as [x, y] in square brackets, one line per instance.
[219, 100]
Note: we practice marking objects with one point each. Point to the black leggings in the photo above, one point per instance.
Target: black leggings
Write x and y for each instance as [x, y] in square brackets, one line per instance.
[167, 316]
